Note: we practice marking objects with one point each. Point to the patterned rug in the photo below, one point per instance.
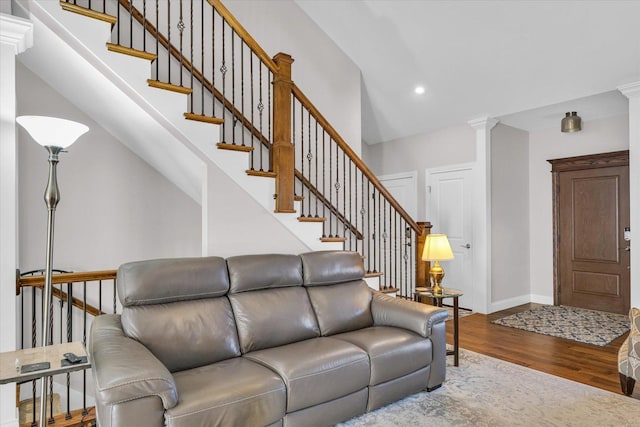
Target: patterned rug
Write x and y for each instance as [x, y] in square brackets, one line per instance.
[577, 324]
[487, 392]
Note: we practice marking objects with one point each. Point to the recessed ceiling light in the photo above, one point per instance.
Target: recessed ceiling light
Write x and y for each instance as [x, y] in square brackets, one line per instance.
[419, 90]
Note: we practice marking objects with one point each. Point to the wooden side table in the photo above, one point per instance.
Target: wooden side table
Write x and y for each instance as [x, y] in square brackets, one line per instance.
[437, 300]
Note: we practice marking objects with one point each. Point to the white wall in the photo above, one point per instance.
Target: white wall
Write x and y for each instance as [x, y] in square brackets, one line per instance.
[114, 207]
[321, 70]
[597, 136]
[509, 217]
[447, 146]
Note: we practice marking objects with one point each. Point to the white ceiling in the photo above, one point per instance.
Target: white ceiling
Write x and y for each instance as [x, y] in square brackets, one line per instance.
[503, 59]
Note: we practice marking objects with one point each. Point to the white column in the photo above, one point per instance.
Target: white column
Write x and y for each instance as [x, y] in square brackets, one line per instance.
[632, 91]
[482, 215]
[16, 35]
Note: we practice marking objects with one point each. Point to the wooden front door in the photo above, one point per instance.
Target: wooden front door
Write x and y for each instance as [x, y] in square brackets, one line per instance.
[591, 210]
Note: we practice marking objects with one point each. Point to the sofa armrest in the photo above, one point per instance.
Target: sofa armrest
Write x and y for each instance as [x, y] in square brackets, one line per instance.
[406, 314]
[123, 369]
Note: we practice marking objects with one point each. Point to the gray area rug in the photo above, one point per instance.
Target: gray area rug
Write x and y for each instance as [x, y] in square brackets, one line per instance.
[577, 324]
[484, 391]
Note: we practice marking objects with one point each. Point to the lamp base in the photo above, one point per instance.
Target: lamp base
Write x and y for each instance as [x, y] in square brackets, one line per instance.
[437, 274]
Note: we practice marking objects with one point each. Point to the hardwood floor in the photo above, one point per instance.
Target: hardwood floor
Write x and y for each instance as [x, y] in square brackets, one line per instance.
[584, 363]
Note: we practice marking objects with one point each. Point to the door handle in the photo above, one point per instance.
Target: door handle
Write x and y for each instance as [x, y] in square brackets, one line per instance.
[467, 246]
[626, 249]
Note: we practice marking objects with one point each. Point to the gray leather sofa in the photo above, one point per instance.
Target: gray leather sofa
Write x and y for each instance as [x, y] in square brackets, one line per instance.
[259, 340]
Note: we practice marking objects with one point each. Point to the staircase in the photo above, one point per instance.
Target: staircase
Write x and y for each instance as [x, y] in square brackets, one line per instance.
[215, 101]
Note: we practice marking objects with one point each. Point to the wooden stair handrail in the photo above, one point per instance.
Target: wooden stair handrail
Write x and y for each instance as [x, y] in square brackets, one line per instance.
[328, 204]
[196, 73]
[353, 156]
[244, 35]
[83, 276]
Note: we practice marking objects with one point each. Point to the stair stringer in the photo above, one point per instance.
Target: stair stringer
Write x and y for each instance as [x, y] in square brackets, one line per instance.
[180, 149]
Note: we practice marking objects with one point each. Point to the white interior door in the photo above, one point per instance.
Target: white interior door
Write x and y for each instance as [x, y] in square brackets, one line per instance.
[404, 188]
[449, 204]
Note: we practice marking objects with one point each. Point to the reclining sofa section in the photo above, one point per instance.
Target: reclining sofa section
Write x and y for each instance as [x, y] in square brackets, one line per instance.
[259, 340]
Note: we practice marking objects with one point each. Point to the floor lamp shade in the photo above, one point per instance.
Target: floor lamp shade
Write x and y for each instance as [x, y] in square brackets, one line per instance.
[55, 135]
[51, 131]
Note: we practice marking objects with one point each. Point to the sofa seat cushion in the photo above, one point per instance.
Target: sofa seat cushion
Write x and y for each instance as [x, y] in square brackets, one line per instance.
[393, 352]
[316, 370]
[234, 392]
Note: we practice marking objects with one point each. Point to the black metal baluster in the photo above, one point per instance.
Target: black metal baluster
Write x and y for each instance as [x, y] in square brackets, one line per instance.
[84, 342]
[169, 39]
[69, 339]
[117, 24]
[223, 71]
[191, 62]
[131, 24]
[33, 345]
[233, 84]
[344, 191]
[144, 25]
[213, 66]
[316, 184]
[324, 215]
[302, 156]
[252, 111]
[260, 109]
[242, 87]
[309, 157]
[157, 60]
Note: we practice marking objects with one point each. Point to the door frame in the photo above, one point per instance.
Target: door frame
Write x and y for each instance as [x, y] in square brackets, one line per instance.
[590, 161]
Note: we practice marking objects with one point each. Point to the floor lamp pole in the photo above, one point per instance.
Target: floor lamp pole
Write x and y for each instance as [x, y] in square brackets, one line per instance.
[51, 198]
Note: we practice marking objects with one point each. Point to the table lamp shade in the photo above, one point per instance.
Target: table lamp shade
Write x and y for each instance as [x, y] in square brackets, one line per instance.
[437, 248]
[51, 131]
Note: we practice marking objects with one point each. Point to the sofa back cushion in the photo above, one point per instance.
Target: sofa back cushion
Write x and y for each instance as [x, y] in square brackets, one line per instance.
[270, 305]
[185, 334]
[178, 309]
[340, 298]
[254, 272]
[159, 281]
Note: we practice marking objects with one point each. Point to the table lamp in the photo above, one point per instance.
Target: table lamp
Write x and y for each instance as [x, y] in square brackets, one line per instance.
[436, 249]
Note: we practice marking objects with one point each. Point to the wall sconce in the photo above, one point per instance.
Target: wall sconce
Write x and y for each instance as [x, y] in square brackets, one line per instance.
[571, 122]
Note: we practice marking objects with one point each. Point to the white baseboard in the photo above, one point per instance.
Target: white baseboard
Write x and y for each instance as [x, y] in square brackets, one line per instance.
[542, 299]
[509, 302]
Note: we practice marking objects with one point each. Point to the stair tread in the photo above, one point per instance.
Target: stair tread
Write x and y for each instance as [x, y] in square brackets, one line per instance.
[265, 174]
[74, 8]
[311, 219]
[203, 118]
[333, 239]
[389, 290]
[168, 86]
[374, 274]
[233, 147]
[112, 47]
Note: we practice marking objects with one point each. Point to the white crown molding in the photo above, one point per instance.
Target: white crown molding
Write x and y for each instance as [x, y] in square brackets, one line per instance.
[483, 123]
[630, 90]
[16, 32]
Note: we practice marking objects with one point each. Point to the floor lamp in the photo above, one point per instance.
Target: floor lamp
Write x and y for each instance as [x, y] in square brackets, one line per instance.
[54, 135]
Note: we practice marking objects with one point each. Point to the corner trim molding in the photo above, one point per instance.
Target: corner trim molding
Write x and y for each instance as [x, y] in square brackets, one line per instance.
[16, 32]
[483, 123]
[630, 90]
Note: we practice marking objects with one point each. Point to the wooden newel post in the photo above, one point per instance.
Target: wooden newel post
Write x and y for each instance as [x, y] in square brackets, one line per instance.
[282, 154]
[422, 267]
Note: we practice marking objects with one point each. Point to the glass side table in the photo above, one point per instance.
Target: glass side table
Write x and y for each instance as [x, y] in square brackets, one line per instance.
[437, 301]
